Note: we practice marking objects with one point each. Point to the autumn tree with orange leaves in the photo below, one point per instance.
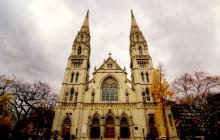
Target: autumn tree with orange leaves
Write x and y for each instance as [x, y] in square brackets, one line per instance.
[160, 91]
[5, 98]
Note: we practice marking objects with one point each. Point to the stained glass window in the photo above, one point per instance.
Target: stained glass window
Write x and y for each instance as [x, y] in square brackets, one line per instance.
[109, 90]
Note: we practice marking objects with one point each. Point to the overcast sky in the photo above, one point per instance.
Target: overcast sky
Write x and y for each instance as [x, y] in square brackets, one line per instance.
[36, 35]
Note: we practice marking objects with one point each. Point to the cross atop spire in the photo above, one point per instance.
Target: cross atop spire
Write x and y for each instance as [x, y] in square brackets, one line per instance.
[133, 21]
[86, 20]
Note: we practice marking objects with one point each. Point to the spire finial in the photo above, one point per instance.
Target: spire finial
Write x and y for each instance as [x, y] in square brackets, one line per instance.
[132, 14]
[86, 20]
[133, 21]
[109, 54]
[87, 13]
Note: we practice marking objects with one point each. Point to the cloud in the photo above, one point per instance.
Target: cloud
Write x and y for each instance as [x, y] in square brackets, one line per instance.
[36, 36]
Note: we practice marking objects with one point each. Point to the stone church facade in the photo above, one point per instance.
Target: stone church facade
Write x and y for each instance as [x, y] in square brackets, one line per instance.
[108, 105]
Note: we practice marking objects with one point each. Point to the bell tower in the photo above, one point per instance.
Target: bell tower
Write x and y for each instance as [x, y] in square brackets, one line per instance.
[77, 70]
[140, 62]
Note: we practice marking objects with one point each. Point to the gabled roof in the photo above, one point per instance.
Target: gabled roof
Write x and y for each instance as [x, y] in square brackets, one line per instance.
[110, 64]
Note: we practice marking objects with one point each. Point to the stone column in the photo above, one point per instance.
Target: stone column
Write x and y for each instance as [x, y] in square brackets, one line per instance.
[117, 131]
[102, 128]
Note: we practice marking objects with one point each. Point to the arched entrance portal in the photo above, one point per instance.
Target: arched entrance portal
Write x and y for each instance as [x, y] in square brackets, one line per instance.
[95, 128]
[109, 128]
[124, 128]
[66, 128]
[153, 128]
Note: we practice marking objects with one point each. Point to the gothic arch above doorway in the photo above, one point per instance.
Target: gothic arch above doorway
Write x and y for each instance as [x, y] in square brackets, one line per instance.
[95, 128]
[124, 128]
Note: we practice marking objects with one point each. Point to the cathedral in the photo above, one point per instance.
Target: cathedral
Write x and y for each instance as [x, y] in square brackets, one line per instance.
[109, 106]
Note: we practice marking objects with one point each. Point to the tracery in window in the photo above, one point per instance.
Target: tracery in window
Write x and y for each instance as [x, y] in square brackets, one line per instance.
[109, 90]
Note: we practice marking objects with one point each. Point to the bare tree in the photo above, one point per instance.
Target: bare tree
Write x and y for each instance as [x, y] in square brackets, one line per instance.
[27, 97]
[42, 117]
[28, 102]
[193, 89]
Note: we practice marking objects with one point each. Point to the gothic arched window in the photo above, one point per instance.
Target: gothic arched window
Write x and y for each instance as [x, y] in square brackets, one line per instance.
[140, 50]
[77, 76]
[142, 76]
[71, 94]
[147, 77]
[79, 50]
[72, 77]
[109, 90]
[151, 119]
[147, 94]
[66, 96]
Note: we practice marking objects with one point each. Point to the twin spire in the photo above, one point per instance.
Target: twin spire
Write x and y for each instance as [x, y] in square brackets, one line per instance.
[133, 21]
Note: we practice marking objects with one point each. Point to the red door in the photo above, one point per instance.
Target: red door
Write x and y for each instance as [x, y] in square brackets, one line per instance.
[110, 133]
[66, 133]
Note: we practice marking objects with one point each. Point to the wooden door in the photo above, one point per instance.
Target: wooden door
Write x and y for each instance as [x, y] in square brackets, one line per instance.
[109, 132]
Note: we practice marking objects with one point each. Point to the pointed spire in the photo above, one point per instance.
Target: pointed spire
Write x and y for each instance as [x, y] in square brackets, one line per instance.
[133, 21]
[86, 20]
